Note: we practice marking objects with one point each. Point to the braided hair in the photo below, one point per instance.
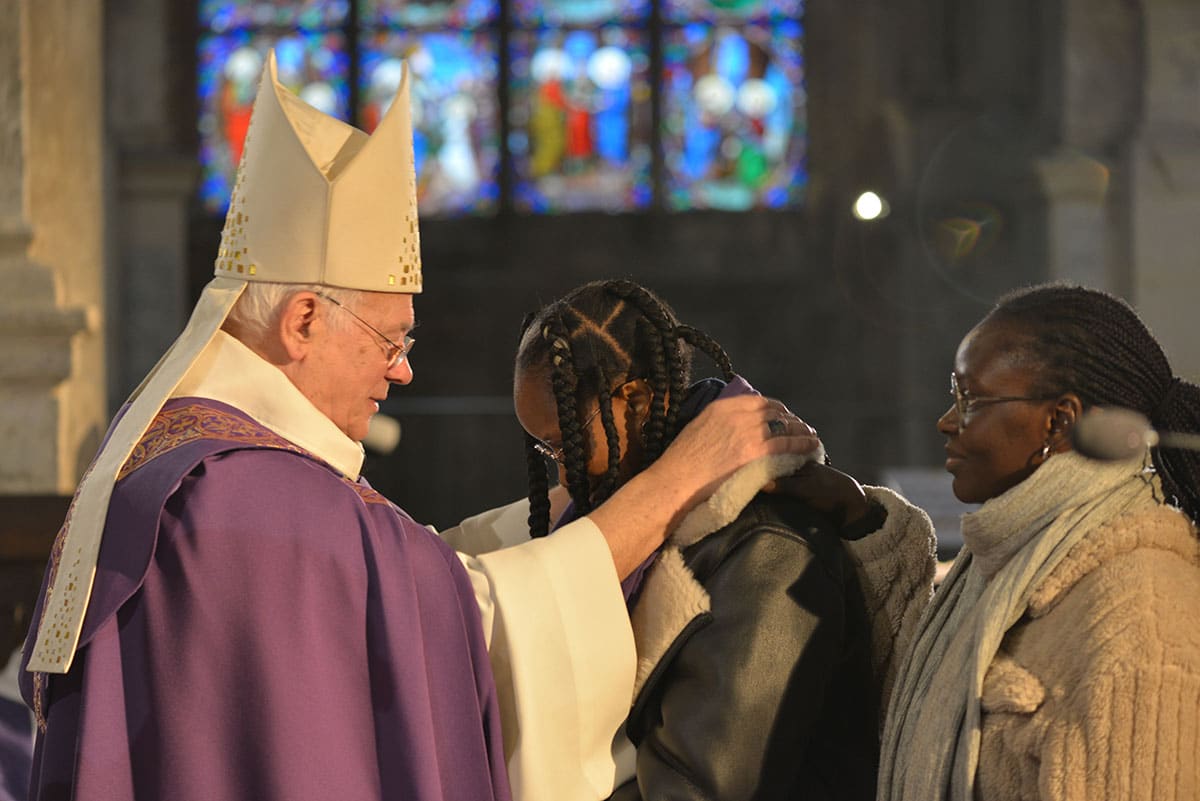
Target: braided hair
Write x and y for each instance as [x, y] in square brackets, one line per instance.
[596, 338]
[1094, 344]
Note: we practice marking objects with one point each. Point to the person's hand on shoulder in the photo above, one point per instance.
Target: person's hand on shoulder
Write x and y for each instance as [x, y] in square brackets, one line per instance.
[835, 493]
[728, 434]
[732, 432]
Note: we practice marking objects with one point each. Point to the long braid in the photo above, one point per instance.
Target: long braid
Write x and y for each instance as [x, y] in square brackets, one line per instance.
[539, 490]
[656, 427]
[671, 365]
[1094, 344]
[609, 484]
[1180, 468]
[588, 344]
[539, 481]
[564, 381]
[698, 339]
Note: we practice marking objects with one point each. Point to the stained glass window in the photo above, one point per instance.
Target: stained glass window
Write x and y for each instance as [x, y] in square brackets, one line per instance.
[734, 105]
[580, 119]
[313, 64]
[587, 82]
[555, 13]
[451, 50]
[407, 14]
[682, 11]
[455, 112]
[220, 16]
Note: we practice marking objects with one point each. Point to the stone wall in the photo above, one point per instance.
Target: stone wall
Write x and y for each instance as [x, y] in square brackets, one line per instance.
[52, 361]
[1166, 183]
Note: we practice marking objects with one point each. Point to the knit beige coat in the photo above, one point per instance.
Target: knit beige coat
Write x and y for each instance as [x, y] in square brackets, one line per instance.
[1095, 693]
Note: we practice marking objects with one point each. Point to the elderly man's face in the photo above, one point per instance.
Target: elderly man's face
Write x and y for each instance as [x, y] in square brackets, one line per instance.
[349, 374]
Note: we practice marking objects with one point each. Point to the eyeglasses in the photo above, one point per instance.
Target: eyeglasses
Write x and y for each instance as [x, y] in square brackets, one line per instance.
[396, 354]
[555, 452]
[965, 404]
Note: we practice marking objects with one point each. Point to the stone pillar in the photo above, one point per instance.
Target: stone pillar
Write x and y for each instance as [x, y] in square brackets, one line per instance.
[1166, 183]
[1091, 84]
[51, 353]
[1075, 189]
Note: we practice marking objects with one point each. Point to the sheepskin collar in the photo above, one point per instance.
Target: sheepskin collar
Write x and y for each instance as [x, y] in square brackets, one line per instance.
[671, 596]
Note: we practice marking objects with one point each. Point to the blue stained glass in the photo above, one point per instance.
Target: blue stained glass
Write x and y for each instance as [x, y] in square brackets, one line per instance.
[409, 14]
[684, 11]
[580, 120]
[734, 116]
[455, 112]
[551, 13]
[314, 65]
[221, 16]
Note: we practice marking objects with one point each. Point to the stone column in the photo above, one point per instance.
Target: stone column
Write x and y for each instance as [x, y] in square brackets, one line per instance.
[1091, 82]
[51, 356]
[1075, 189]
[1166, 183]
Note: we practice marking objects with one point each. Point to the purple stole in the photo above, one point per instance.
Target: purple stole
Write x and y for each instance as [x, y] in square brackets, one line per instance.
[262, 627]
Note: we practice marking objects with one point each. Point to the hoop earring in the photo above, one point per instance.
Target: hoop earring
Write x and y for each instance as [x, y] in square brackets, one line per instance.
[1046, 451]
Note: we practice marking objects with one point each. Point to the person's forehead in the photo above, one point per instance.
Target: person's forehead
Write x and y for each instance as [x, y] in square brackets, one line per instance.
[533, 396]
[993, 346]
[394, 308]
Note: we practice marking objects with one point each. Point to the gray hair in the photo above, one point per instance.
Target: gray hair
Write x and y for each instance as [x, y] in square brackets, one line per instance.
[260, 304]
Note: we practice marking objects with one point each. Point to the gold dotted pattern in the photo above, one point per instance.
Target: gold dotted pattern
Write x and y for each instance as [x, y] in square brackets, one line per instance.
[55, 646]
[39, 678]
[232, 255]
[409, 260]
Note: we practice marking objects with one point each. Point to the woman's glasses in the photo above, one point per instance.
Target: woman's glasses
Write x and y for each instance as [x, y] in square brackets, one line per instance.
[966, 404]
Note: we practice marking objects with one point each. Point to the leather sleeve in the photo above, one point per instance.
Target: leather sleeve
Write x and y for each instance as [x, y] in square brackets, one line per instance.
[742, 694]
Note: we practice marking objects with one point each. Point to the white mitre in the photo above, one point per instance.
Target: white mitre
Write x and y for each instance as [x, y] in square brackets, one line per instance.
[316, 201]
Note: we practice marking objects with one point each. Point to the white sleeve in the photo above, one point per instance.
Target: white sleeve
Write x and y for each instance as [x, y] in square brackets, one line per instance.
[561, 648]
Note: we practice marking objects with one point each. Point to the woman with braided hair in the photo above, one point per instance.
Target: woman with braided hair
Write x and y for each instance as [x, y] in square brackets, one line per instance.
[1060, 658]
[756, 674]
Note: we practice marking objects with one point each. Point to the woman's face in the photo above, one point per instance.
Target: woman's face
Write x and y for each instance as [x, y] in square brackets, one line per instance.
[537, 412]
[999, 444]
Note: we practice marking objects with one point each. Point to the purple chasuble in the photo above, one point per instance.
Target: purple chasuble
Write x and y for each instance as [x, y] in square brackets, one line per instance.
[263, 628]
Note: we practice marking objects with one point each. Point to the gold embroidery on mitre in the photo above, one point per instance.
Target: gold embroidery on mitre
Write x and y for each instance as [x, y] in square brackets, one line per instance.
[233, 233]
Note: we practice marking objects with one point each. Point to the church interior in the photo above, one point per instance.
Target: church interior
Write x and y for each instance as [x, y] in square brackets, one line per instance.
[835, 191]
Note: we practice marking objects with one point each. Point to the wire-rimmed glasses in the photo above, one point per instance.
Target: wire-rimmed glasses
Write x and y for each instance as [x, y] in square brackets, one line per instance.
[396, 353]
[965, 403]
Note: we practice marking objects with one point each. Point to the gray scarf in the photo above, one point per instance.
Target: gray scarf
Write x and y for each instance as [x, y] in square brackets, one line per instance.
[931, 737]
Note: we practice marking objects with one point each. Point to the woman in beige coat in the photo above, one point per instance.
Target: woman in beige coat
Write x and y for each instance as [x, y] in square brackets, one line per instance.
[1060, 659]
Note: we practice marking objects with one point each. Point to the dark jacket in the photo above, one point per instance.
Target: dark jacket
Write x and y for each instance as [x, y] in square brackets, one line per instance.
[754, 677]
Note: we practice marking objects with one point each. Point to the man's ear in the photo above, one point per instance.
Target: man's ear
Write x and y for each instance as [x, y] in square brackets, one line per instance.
[1066, 413]
[295, 324]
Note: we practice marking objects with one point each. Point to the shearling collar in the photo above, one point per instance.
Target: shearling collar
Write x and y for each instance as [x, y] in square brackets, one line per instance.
[1150, 525]
[671, 597]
